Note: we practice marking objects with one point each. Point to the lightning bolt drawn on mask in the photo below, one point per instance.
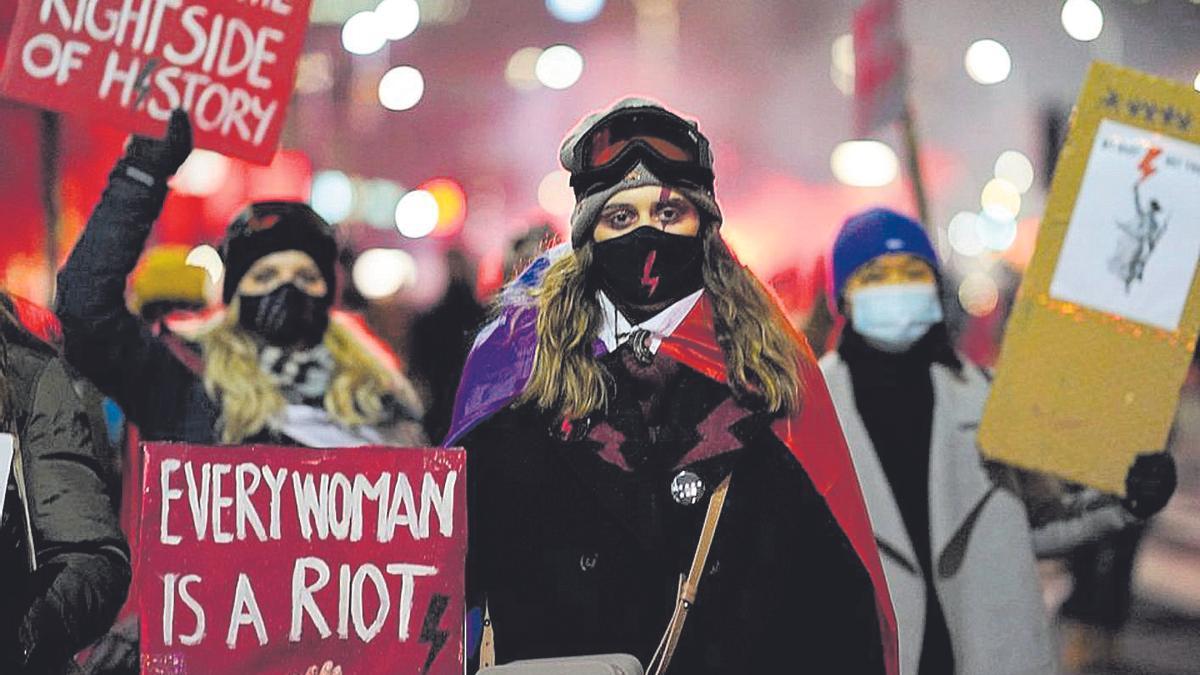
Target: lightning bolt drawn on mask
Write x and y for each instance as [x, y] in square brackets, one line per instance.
[647, 280]
[142, 84]
[1146, 166]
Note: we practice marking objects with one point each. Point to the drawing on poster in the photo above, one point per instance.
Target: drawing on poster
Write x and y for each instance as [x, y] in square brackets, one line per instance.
[1133, 240]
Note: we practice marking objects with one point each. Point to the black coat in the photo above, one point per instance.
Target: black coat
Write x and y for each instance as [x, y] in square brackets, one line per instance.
[576, 554]
[83, 561]
[108, 344]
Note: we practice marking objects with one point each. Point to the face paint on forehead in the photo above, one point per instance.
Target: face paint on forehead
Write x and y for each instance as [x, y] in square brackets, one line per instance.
[664, 195]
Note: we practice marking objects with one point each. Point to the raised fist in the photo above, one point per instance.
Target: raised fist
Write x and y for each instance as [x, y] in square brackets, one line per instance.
[162, 158]
[1149, 484]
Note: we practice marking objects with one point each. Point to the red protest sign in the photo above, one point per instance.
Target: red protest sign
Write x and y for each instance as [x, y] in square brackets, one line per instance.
[230, 63]
[269, 560]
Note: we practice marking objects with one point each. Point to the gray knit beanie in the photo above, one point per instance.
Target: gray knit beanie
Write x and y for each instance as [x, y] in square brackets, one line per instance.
[587, 210]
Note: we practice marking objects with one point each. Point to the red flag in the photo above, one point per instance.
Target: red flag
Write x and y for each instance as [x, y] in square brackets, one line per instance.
[880, 59]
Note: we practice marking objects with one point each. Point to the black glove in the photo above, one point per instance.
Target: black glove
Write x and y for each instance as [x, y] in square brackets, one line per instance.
[162, 158]
[117, 652]
[1149, 484]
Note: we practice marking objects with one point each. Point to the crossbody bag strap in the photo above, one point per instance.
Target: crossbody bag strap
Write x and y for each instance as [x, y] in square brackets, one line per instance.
[689, 586]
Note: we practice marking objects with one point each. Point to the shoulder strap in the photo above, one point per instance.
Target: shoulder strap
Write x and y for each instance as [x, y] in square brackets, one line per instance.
[689, 587]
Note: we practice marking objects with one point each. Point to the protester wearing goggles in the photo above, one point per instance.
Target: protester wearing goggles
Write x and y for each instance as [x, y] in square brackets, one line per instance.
[635, 383]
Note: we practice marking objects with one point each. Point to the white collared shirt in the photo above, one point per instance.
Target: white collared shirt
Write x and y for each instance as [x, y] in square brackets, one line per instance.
[617, 329]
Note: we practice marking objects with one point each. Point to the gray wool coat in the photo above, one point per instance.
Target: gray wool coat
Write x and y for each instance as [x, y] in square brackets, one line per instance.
[984, 547]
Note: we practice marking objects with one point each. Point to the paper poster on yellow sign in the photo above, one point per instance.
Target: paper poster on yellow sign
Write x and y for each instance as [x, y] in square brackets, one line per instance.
[1104, 324]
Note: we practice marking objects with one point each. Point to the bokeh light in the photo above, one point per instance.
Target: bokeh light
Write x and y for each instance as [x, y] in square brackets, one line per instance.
[416, 214]
[451, 203]
[1000, 199]
[363, 34]
[332, 196]
[202, 174]
[555, 194]
[864, 163]
[963, 233]
[1015, 167]
[841, 68]
[381, 272]
[1082, 19]
[1196, 82]
[988, 62]
[559, 67]
[978, 294]
[401, 88]
[376, 202]
[574, 11]
[398, 18]
[521, 71]
[997, 234]
[208, 259]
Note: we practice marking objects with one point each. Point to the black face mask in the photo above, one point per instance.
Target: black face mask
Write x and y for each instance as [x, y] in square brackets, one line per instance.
[649, 267]
[286, 316]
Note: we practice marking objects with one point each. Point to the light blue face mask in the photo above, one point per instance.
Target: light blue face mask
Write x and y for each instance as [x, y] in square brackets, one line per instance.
[893, 317]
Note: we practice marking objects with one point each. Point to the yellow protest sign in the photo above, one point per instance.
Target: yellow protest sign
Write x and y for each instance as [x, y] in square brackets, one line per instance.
[1104, 324]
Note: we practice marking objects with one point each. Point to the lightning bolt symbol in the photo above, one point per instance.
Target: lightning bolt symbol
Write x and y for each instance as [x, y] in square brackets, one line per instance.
[1146, 166]
[142, 84]
[647, 280]
[430, 632]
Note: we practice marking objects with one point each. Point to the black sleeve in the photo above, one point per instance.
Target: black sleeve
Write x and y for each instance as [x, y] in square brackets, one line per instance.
[84, 570]
[103, 340]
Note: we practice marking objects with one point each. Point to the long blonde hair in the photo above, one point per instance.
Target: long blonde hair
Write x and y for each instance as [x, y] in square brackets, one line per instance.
[249, 399]
[762, 358]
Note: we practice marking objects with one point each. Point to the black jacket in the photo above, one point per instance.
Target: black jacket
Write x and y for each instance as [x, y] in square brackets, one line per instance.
[143, 373]
[83, 562]
[109, 345]
[577, 545]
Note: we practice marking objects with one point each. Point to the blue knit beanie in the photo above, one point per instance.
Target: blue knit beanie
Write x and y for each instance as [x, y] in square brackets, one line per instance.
[873, 233]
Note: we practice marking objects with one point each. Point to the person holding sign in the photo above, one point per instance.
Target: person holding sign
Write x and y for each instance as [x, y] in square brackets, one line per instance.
[64, 564]
[276, 367]
[958, 534]
[655, 465]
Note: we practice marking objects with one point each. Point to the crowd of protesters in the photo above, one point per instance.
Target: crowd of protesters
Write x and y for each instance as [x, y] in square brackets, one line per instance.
[661, 469]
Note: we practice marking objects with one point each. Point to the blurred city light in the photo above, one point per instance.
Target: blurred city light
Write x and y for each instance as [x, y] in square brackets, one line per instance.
[376, 202]
[559, 67]
[363, 34]
[1000, 199]
[978, 294]
[381, 272]
[401, 88]
[314, 73]
[574, 11]
[521, 71]
[555, 194]
[1082, 19]
[1015, 167]
[208, 259]
[417, 214]
[451, 204]
[398, 18]
[963, 233]
[988, 62]
[864, 163]
[202, 174]
[841, 68]
[332, 196]
[997, 234]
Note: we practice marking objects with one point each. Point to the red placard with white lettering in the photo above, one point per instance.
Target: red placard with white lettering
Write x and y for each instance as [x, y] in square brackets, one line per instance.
[230, 63]
[270, 560]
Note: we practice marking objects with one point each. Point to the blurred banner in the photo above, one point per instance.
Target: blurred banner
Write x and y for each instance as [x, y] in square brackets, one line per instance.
[271, 559]
[1107, 316]
[879, 66]
[231, 63]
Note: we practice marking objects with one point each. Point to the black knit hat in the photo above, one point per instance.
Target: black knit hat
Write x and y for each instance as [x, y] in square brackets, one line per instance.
[268, 227]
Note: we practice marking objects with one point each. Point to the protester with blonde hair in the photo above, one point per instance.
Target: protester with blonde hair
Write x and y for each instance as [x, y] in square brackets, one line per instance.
[277, 366]
[656, 468]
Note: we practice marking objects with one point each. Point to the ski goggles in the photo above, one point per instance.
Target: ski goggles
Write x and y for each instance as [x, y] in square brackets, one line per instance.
[670, 147]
